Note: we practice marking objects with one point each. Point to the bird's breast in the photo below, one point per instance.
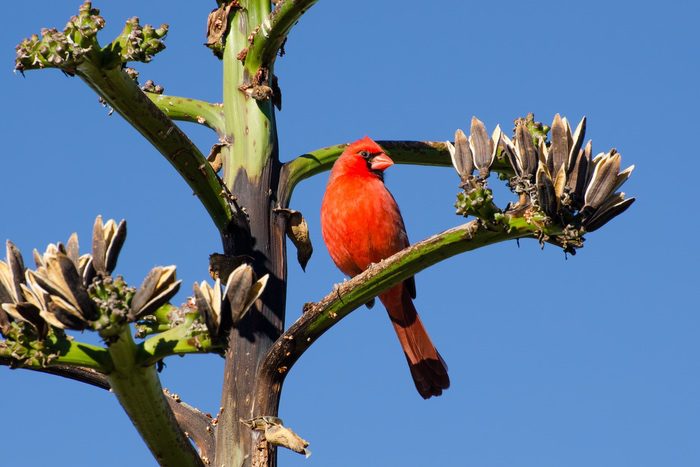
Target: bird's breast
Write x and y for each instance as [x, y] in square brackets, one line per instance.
[361, 223]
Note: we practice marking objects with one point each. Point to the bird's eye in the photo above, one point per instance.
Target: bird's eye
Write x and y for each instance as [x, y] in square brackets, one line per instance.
[365, 154]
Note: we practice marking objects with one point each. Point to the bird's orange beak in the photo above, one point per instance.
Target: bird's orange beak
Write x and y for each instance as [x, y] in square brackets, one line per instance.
[381, 162]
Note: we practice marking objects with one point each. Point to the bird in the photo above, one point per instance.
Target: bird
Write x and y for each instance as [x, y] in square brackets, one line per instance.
[361, 225]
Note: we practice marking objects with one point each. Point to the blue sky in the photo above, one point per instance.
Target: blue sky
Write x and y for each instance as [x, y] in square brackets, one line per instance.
[592, 360]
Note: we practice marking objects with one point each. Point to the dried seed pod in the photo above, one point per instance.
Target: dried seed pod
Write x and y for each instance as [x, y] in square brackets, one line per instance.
[575, 143]
[60, 292]
[107, 241]
[38, 297]
[526, 152]
[603, 180]
[461, 155]
[614, 206]
[242, 291]
[159, 286]
[27, 313]
[577, 179]
[482, 147]
[546, 196]
[208, 302]
[559, 147]
[11, 275]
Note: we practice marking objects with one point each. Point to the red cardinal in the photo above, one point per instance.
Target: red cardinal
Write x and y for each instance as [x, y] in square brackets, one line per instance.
[361, 225]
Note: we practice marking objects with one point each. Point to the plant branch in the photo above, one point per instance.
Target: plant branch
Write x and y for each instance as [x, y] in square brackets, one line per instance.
[196, 424]
[141, 395]
[346, 297]
[57, 351]
[124, 96]
[272, 33]
[402, 152]
[80, 374]
[190, 110]
[176, 341]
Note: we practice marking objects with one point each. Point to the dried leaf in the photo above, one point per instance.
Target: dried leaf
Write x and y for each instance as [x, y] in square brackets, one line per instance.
[279, 435]
[298, 233]
[217, 23]
[214, 157]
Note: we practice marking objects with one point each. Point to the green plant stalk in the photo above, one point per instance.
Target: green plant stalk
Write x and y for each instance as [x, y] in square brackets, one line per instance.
[250, 124]
[190, 110]
[124, 96]
[175, 341]
[250, 172]
[66, 352]
[271, 36]
[357, 291]
[432, 153]
[139, 392]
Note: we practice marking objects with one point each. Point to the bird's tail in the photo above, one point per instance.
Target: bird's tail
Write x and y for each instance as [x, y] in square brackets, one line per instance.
[428, 369]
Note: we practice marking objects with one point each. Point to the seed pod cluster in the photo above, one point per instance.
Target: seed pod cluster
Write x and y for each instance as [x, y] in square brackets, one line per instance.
[554, 174]
[223, 309]
[66, 49]
[69, 291]
[77, 43]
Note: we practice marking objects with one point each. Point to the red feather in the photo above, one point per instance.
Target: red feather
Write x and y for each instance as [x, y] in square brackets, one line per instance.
[361, 225]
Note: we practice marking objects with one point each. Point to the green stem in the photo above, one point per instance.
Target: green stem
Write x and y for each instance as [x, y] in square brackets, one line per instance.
[273, 33]
[124, 95]
[63, 352]
[250, 124]
[141, 395]
[190, 110]
[402, 152]
[175, 341]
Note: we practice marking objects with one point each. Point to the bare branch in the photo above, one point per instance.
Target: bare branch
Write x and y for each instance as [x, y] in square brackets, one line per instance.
[83, 375]
[196, 425]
